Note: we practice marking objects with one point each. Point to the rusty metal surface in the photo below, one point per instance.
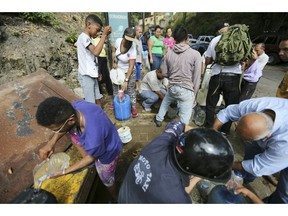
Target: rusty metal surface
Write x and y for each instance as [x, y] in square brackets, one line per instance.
[20, 135]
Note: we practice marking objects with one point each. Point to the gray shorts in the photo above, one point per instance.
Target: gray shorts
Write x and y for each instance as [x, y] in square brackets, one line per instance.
[90, 88]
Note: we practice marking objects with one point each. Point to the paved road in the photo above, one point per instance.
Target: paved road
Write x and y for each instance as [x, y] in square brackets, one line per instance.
[272, 76]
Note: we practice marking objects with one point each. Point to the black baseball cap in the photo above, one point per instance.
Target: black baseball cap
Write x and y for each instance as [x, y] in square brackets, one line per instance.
[129, 34]
[221, 25]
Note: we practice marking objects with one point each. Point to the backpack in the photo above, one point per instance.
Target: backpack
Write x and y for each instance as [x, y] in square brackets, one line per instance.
[235, 45]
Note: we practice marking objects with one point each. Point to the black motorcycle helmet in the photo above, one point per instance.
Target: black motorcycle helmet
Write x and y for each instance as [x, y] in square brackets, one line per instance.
[205, 153]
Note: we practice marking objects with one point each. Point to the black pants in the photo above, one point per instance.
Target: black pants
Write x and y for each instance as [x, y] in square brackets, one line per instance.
[228, 85]
[247, 90]
[103, 68]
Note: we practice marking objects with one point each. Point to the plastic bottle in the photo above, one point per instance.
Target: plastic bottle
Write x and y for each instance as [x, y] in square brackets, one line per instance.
[195, 106]
[121, 95]
[235, 181]
[199, 117]
[238, 176]
[205, 186]
[122, 108]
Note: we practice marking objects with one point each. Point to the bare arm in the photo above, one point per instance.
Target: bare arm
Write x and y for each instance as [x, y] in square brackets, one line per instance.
[129, 72]
[217, 124]
[203, 67]
[86, 160]
[246, 192]
[187, 127]
[114, 65]
[237, 166]
[193, 181]
[208, 60]
[150, 45]
[160, 94]
[96, 50]
[46, 151]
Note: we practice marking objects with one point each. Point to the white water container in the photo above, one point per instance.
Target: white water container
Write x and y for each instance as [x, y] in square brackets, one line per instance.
[125, 134]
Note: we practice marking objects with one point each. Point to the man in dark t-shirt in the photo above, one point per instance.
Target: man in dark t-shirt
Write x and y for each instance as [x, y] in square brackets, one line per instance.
[164, 173]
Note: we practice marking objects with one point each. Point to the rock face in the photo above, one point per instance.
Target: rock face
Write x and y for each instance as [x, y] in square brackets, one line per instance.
[26, 47]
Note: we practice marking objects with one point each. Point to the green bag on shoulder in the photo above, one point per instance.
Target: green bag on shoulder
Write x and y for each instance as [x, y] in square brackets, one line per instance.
[235, 45]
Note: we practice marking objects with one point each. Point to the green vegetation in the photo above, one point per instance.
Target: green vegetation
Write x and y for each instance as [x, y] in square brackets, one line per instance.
[16, 34]
[204, 23]
[71, 38]
[40, 18]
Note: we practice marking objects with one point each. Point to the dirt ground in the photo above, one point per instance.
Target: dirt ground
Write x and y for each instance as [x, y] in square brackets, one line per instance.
[143, 130]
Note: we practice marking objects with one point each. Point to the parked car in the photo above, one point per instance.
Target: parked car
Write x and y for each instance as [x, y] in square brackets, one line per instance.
[200, 47]
[271, 41]
[191, 40]
[204, 39]
[202, 43]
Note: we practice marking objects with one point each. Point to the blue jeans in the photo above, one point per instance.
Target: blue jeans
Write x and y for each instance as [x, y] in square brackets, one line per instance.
[90, 88]
[157, 59]
[150, 97]
[221, 195]
[184, 99]
[138, 71]
[280, 195]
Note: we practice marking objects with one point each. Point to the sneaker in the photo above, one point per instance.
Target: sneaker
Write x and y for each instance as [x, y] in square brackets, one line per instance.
[146, 109]
[158, 123]
[134, 112]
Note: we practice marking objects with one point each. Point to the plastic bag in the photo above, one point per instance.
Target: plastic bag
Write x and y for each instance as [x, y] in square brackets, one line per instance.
[47, 168]
[235, 181]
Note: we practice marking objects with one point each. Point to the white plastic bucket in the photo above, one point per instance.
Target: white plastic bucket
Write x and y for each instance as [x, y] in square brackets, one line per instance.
[125, 134]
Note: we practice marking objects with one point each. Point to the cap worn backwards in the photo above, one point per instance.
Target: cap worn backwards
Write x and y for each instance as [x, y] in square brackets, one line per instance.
[221, 25]
[129, 34]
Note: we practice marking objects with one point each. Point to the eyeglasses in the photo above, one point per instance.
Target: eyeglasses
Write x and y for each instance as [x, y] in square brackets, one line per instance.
[63, 125]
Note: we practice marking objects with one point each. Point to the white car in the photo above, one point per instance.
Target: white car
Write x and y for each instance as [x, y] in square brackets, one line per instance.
[205, 39]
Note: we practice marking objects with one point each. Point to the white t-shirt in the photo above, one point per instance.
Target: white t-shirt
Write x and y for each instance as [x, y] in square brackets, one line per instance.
[139, 50]
[210, 52]
[88, 64]
[262, 60]
[123, 59]
[151, 82]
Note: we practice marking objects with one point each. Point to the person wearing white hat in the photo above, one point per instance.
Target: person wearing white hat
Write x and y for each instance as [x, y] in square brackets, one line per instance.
[124, 55]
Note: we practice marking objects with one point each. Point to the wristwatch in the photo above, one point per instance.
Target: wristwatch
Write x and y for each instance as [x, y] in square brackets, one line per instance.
[126, 80]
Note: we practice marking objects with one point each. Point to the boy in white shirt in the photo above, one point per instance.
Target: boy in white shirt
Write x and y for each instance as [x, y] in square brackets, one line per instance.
[86, 52]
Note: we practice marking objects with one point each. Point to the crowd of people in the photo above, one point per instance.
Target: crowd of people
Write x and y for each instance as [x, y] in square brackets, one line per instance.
[167, 169]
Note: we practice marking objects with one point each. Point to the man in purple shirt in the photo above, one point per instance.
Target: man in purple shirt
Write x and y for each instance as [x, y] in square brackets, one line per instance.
[90, 129]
